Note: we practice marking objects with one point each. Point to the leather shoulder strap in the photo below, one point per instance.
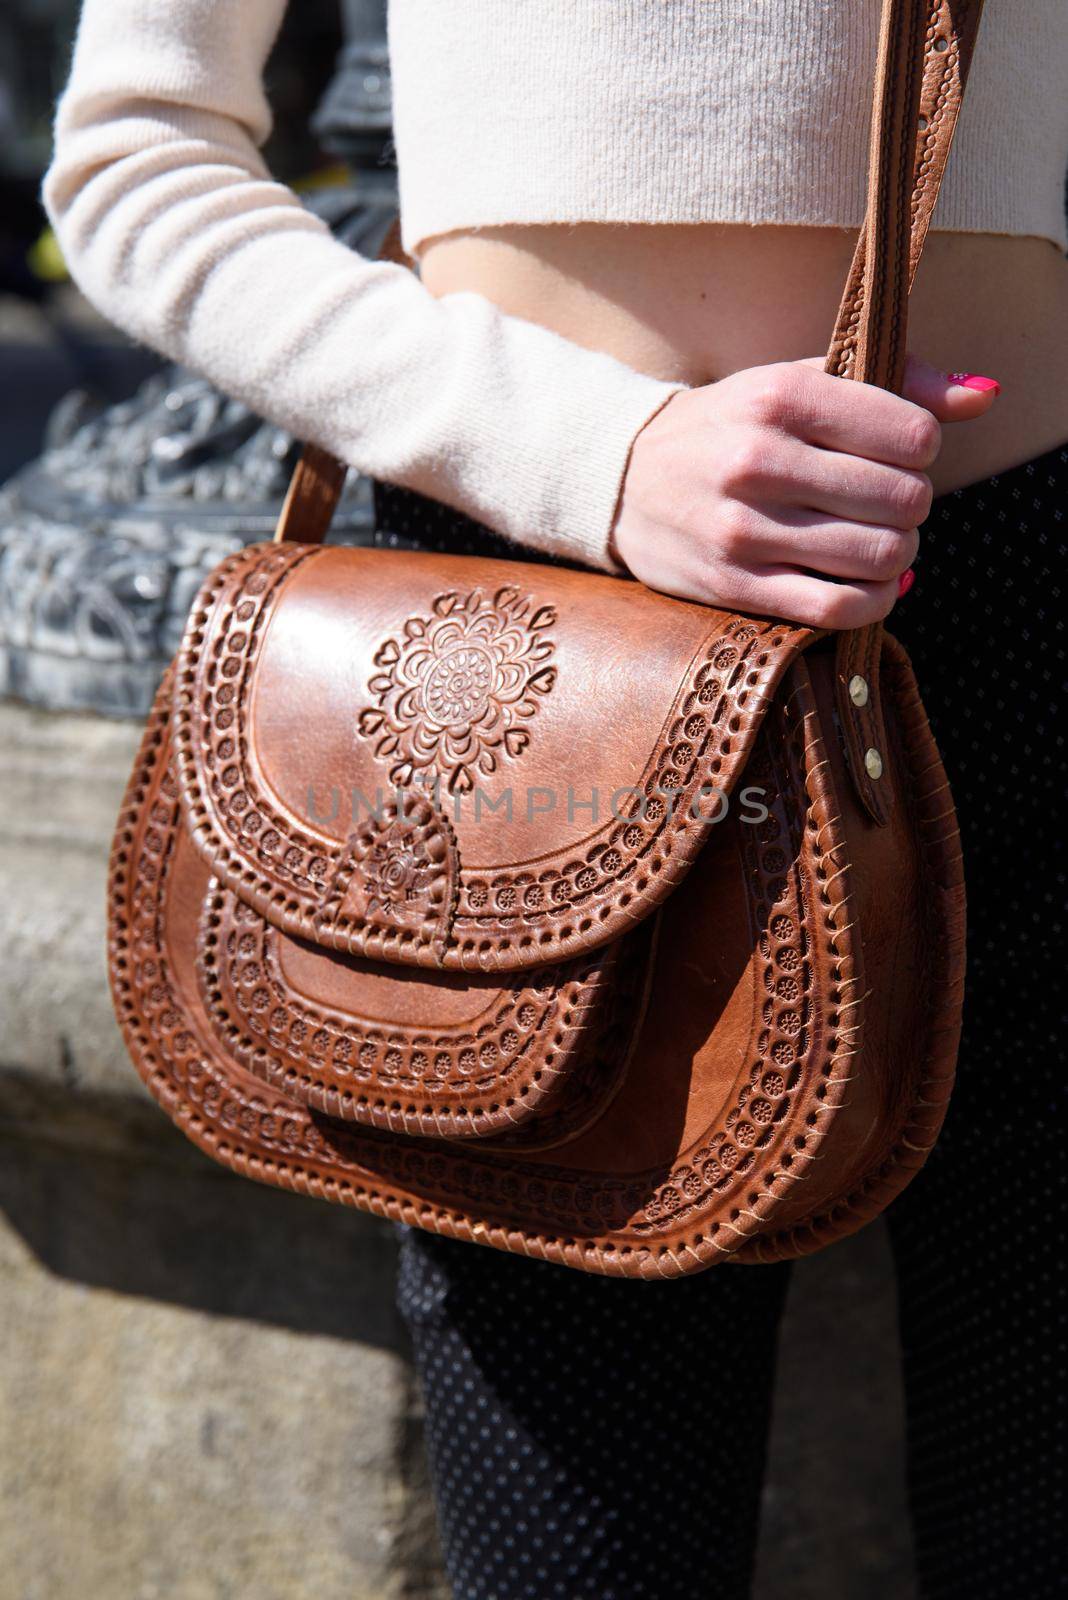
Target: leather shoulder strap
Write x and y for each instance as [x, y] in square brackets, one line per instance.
[312, 497]
[925, 51]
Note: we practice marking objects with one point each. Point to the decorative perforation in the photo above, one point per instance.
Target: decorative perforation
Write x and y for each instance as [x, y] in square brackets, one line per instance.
[927, 799]
[792, 1047]
[696, 758]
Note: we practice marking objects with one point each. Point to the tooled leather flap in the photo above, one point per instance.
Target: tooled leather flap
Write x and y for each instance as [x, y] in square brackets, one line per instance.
[448, 1055]
[402, 757]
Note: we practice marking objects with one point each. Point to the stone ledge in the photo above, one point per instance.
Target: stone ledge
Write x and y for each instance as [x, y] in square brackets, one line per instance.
[61, 785]
[203, 1381]
[203, 1389]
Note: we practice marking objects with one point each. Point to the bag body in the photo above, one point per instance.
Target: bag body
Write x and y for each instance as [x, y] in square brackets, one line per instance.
[717, 1016]
[530, 906]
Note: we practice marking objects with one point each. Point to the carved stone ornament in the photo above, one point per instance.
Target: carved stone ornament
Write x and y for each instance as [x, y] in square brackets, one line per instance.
[107, 536]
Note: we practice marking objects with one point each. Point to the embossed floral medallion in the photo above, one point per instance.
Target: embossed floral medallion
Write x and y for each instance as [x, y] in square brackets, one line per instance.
[398, 872]
[456, 691]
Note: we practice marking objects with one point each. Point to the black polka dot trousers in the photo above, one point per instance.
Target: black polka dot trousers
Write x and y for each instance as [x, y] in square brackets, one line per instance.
[591, 1437]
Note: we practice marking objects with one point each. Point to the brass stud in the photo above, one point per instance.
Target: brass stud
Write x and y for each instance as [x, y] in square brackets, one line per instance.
[858, 690]
[873, 763]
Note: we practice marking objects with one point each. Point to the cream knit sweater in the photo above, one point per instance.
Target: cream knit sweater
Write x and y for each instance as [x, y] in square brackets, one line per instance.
[506, 110]
[744, 111]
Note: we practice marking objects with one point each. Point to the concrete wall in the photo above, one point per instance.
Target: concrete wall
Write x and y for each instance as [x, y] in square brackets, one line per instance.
[204, 1393]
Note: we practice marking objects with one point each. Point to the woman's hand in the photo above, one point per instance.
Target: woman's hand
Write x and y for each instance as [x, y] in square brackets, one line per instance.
[783, 491]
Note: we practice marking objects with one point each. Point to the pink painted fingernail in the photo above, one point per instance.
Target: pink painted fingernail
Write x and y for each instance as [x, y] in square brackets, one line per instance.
[972, 380]
[905, 582]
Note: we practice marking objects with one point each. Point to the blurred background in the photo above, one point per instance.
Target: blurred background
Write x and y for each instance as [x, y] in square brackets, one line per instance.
[204, 1387]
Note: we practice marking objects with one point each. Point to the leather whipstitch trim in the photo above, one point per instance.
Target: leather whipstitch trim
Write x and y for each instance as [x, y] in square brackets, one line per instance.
[590, 1094]
[940, 845]
[940, 69]
[203, 711]
[788, 1159]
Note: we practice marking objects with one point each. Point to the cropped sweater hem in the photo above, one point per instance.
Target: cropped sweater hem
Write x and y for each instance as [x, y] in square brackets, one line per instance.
[705, 111]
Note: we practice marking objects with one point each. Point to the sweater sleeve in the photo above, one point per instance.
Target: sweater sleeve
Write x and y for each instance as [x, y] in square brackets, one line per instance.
[173, 227]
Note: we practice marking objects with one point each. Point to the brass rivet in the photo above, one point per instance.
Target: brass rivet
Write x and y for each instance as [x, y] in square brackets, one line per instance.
[873, 763]
[858, 690]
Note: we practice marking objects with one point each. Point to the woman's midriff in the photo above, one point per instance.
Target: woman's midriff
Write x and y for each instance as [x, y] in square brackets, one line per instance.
[699, 302]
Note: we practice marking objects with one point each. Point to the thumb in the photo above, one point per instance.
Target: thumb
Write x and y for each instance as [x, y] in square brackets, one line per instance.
[949, 396]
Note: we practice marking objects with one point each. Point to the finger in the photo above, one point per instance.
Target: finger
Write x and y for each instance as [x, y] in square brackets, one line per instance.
[949, 396]
[828, 546]
[799, 597]
[861, 419]
[849, 487]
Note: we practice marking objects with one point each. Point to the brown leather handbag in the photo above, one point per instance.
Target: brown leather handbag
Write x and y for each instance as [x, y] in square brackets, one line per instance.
[530, 906]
